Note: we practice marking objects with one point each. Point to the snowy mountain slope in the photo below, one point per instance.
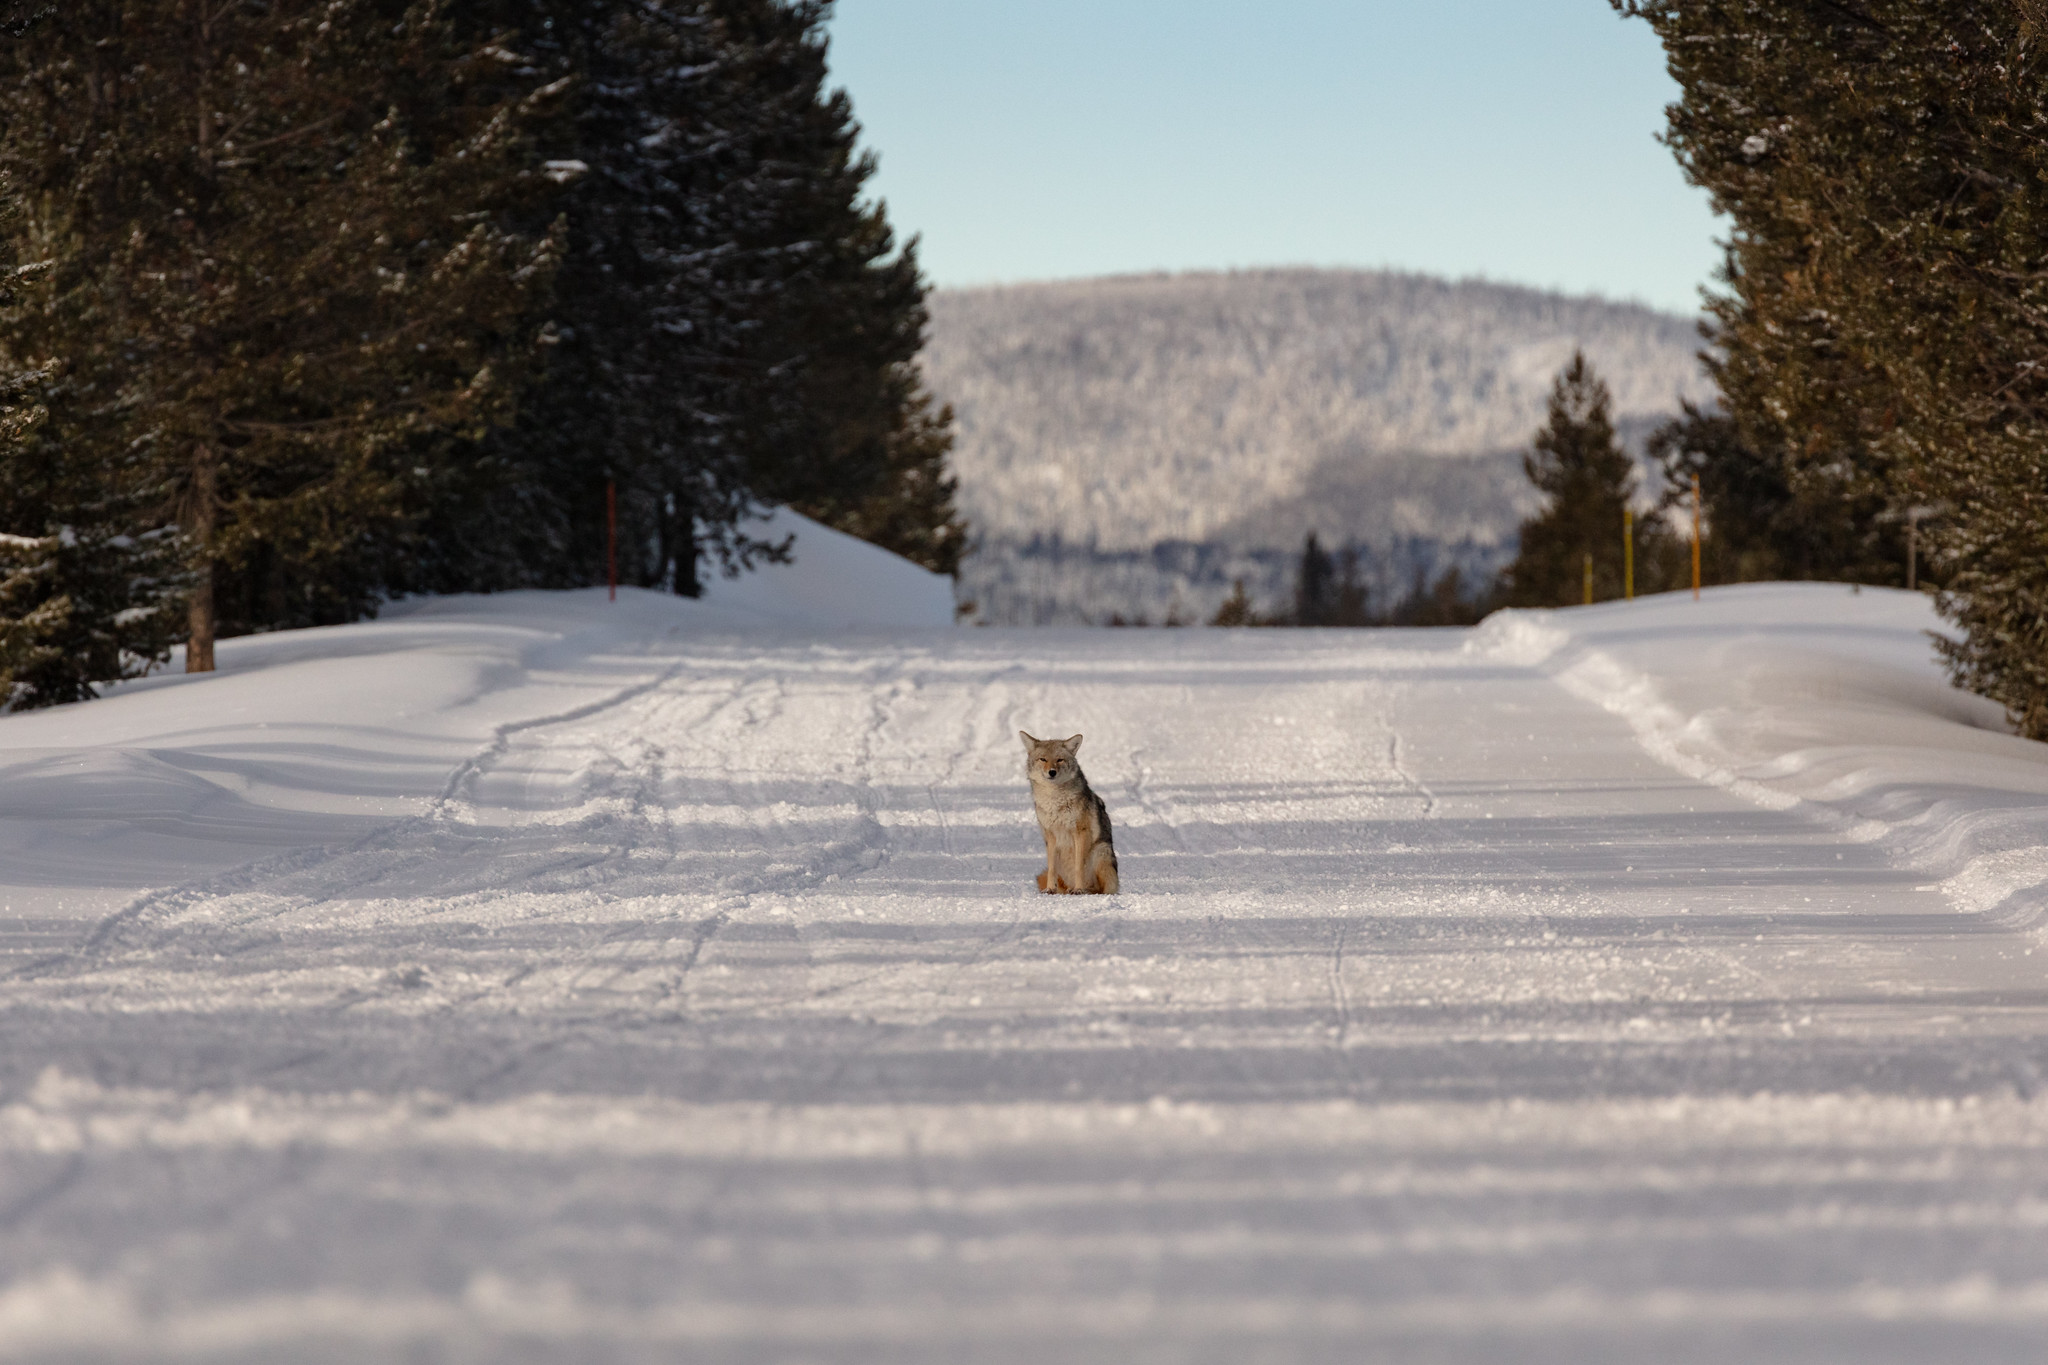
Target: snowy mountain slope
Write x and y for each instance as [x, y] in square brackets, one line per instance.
[1126, 411]
[1245, 409]
[649, 982]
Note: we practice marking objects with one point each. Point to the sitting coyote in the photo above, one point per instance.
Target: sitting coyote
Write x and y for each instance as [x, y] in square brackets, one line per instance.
[1079, 856]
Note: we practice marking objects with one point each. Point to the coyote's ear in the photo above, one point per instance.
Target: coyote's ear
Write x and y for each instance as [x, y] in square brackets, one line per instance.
[1074, 745]
[1028, 740]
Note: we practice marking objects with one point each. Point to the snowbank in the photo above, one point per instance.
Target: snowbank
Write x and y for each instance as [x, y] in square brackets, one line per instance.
[1819, 696]
[834, 580]
[310, 737]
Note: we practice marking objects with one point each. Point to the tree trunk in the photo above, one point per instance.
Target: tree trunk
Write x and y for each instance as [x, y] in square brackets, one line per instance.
[678, 531]
[199, 524]
[205, 460]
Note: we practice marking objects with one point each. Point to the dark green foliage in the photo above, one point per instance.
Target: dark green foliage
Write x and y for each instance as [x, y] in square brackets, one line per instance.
[1236, 609]
[290, 295]
[365, 296]
[1754, 528]
[1315, 586]
[673, 236]
[734, 325]
[81, 599]
[26, 616]
[1444, 601]
[1885, 165]
[1770, 115]
[1586, 479]
[22, 378]
[82, 605]
[847, 434]
[18, 17]
[1327, 589]
[1749, 532]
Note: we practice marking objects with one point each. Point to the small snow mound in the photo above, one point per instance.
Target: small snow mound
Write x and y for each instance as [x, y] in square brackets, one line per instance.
[1517, 636]
[832, 579]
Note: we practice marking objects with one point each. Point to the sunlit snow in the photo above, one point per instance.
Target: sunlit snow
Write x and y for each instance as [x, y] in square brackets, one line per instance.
[537, 977]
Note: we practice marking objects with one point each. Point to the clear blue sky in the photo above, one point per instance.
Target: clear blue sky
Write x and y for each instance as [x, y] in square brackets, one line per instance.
[1046, 139]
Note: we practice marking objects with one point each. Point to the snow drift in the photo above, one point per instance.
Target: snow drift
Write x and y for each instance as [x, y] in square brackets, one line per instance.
[539, 978]
[1824, 696]
[310, 737]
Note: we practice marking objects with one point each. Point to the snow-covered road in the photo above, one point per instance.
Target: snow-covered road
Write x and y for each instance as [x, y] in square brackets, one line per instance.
[1456, 1008]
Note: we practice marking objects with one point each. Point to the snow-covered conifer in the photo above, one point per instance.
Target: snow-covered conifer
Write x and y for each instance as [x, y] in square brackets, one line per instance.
[83, 598]
[1886, 171]
[1586, 479]
[281, 278]
[734, 325]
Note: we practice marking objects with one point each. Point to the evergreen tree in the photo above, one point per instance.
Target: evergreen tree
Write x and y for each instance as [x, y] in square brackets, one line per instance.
[21, 379]
[81, 599]
[1793, 382]
[866, 452]
[29, 614]
[735, 327]
[910, 510]
[1353, 605]
[1885, 169]
[1236, 609]
[1748, 535]
[1315, 586]
[308, 258]
[280, 272]
[1443, 601]
[1586, 479]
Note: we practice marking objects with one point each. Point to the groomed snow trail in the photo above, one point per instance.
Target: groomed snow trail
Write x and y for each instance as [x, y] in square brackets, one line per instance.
[721, 1022]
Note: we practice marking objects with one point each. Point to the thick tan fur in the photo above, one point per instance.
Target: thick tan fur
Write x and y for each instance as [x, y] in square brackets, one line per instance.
[1080, 855]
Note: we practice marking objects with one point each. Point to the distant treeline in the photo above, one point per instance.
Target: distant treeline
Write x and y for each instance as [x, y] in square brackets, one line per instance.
[1585, 543]
[305, 303]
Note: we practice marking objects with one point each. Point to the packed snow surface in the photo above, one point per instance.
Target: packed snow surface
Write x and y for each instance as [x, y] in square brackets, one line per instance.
[543, 978]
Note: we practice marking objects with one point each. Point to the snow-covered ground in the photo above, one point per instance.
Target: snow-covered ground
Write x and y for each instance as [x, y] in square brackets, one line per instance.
[541, 978]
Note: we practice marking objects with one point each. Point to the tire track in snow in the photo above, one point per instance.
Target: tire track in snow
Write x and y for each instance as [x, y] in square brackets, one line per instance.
[961, 698]
[99, 945]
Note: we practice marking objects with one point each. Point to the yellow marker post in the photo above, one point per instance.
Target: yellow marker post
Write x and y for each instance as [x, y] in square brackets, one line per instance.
[1628, 553]
[1695, 537]
[1589, 579]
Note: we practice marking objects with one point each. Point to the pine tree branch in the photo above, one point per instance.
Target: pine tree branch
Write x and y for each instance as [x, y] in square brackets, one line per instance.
[1855, 15]
[295, 133]
[16, 20]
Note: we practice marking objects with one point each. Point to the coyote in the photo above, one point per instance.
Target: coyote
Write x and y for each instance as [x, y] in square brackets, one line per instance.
[1079, 855]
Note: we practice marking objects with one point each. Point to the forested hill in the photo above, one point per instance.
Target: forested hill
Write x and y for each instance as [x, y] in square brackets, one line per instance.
[1238, 411]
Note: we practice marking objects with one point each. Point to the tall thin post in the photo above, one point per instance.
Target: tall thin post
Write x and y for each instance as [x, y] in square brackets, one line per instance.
[202, 516]
[611, 538]
[1589, 578]
[1628, 553]
[1695, 537]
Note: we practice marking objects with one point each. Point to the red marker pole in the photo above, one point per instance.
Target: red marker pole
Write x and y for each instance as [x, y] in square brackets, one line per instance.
[611, 538]
[1695, 537]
